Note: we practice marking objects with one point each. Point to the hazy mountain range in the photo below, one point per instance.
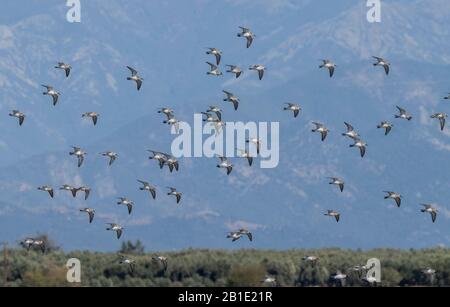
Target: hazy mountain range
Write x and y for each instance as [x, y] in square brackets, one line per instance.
[165, 41]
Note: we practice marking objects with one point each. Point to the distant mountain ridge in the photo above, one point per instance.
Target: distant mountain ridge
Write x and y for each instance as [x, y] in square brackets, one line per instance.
[283, 206]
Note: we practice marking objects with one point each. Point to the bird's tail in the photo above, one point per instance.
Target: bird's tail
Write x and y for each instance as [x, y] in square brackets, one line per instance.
[128, 78]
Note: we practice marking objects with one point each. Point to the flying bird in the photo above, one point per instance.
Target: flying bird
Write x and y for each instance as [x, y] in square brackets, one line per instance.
[430, 273]
[93, 115]
[90, 212]
[126, 202]
[245, 32]
[216, 111]
[172, 163]
[395, 196]
[329, 65]
[135, 77]
[117, 228]
[216, 52]
[29, 243]
[246, 154]
[259, 68]
[232, 98]
[47, 189]
[361, 145]
[441, 117]
[269, 280]
[334, 214]
[224, 163]
[447, 97]
[166, 111]
[209, 117]
[85, 190]
[52, 92]
[387, 126]
[403, 114]
[382, 62]
[19, 115]
[69, 188]
[322, 129]
[234, 70]
[214, 70]
[172, 121]
[337, 181]
[351, 133]
[339, 277]
[65, 67]
[158, 156]
[293, 107]
[111, 155]
[162, 260]
[79, 153]
[175, 193]
[148, 187]
[431, 210]
[128, 261]
[236, 235]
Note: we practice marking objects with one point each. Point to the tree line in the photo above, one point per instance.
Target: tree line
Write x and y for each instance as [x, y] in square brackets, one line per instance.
[221, 268]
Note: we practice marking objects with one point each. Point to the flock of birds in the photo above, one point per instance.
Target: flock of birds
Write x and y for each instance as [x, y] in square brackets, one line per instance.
[213, 115]
[358, 271]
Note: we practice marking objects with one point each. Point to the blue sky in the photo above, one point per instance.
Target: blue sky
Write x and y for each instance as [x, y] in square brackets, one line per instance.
[166, 41]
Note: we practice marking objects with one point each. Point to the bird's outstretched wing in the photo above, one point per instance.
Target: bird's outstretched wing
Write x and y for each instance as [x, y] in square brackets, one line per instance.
[132, 70]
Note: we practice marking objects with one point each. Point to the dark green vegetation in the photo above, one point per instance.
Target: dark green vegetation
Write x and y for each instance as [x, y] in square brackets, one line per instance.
[221, 268]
